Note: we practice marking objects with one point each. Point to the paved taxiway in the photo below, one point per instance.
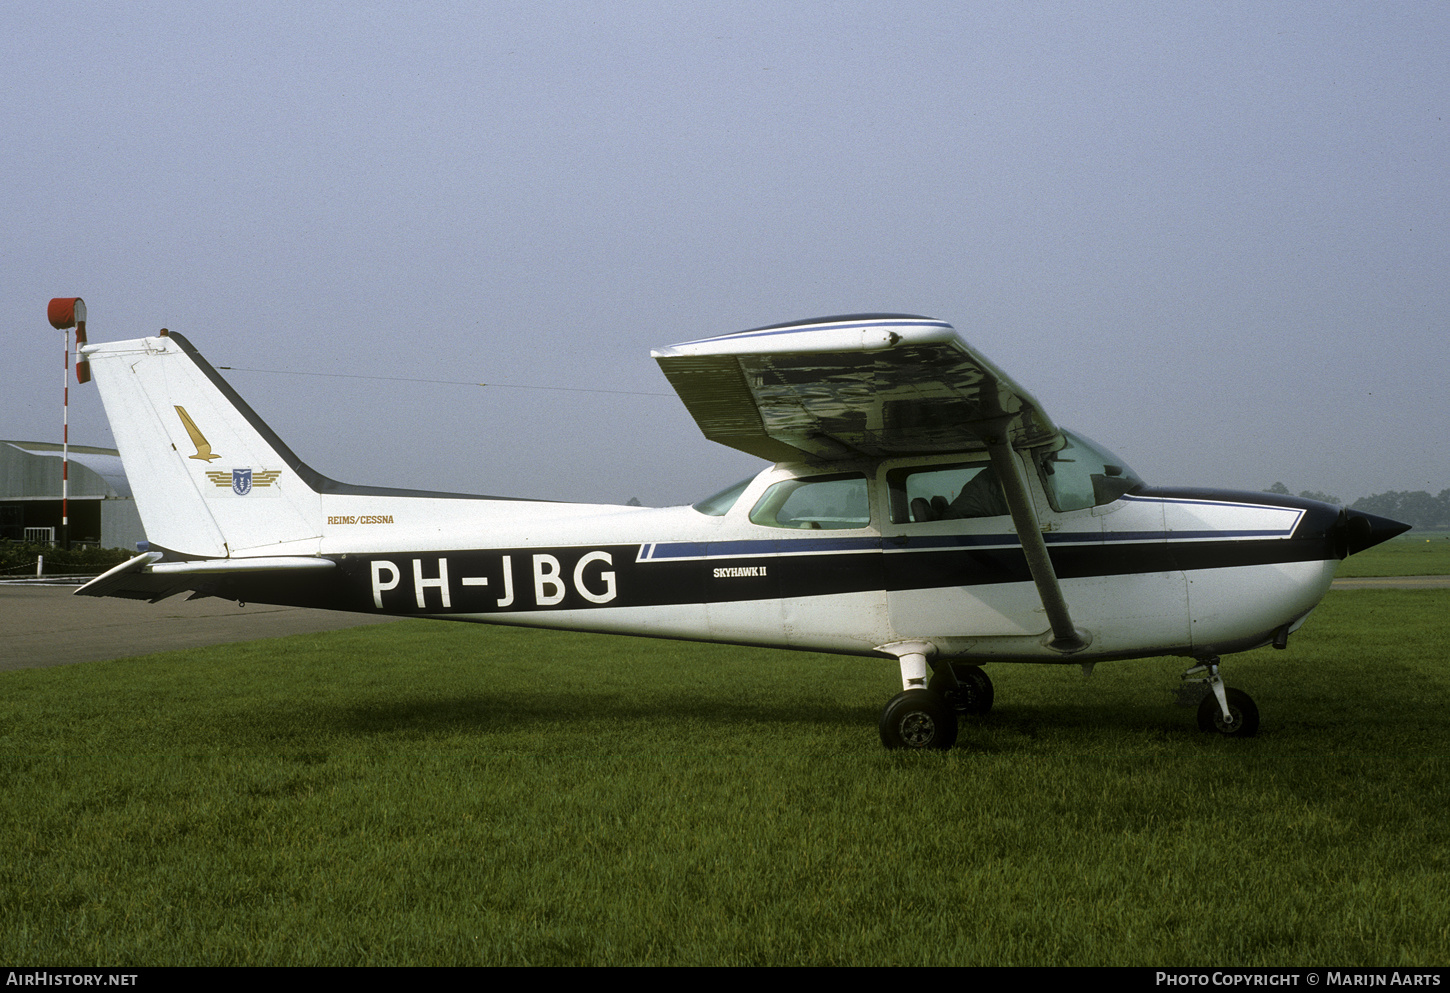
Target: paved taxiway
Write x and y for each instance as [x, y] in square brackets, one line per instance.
[48, 625]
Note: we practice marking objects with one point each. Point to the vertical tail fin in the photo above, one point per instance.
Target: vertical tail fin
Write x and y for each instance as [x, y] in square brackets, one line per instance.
[210, 478]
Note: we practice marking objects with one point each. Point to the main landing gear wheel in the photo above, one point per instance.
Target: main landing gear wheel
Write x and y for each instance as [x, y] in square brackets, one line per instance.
[972, 693]
[918, 719]
[1241, 708]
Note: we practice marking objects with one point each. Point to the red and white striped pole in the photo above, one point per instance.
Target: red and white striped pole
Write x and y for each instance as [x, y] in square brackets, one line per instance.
[66, 313]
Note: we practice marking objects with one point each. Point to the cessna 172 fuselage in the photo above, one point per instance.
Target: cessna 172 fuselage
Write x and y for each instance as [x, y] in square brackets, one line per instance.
[921, 507]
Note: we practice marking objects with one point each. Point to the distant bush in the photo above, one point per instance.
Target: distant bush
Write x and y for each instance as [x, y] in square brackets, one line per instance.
[18, 557]
[1416, 508]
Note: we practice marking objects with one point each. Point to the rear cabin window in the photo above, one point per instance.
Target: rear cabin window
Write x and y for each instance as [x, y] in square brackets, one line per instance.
[816, 503]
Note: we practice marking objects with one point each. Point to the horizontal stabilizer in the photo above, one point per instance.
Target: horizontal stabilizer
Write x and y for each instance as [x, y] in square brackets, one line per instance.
[145, 577]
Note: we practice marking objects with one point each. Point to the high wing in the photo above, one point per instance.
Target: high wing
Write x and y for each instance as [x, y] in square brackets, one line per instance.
[864, 386]
[872, 386]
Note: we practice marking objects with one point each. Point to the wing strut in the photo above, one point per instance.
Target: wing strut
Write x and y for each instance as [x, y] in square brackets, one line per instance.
[1065, 637]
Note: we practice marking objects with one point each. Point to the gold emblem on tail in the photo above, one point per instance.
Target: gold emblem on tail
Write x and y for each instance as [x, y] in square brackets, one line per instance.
[203, 447]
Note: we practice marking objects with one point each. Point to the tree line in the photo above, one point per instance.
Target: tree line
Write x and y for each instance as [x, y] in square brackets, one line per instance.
[1416, 508]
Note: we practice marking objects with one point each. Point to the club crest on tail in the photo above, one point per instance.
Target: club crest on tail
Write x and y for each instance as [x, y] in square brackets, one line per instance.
[242, 480]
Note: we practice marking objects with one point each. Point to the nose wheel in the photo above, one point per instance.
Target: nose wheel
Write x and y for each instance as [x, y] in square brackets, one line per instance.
[1223, 710]
[1243, 715]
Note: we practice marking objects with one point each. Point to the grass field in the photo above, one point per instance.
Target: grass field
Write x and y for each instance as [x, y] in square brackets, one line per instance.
[1418, 553]
[434, 793]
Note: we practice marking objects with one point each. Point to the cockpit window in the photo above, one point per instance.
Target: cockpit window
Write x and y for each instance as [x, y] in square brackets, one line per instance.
[1083, 474]
[945, 493]
[719, 505]
[825, 503]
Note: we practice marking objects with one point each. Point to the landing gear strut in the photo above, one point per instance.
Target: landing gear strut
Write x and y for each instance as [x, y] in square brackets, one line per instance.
[1229, 712]
[918, 717]
[924, 714]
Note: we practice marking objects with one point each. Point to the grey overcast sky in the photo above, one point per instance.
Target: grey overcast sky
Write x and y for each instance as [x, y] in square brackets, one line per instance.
[1214, 237]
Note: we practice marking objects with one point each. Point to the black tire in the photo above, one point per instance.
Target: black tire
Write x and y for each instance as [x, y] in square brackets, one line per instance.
[1245, 714]
[973, 694]
[918, 719]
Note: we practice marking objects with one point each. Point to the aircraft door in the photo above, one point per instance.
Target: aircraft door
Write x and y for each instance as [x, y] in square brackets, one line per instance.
[953, 564]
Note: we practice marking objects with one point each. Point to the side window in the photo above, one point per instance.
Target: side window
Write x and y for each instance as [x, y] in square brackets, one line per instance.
[945, 493]
[818, 503]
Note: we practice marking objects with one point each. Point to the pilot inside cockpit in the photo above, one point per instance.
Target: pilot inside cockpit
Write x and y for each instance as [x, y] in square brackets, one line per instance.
[930, 492]
[982, 496]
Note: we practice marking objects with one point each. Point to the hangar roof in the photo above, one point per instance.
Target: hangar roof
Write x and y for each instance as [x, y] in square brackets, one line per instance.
[31, 470]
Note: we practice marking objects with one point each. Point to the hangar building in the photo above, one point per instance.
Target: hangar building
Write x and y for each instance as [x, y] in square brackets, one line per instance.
[102, 509]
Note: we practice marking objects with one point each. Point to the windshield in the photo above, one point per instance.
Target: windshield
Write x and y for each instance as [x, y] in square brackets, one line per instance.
[719, 505]
[1084, 474]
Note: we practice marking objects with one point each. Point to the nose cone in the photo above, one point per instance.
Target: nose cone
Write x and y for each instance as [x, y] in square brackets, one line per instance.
[1357, 531]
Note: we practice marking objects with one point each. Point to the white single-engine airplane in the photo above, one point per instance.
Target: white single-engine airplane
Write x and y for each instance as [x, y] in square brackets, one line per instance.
[922, 507]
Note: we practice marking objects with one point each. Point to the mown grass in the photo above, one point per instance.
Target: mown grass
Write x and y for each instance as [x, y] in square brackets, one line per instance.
[1416, 553]
[432, 793]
